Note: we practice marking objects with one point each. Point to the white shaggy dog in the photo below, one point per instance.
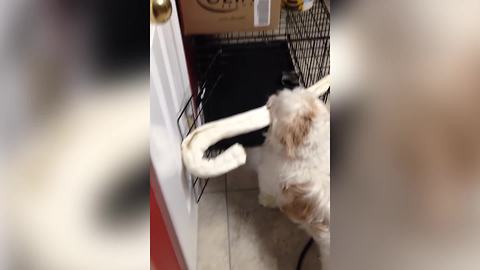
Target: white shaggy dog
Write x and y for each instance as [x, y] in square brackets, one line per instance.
[294, 173]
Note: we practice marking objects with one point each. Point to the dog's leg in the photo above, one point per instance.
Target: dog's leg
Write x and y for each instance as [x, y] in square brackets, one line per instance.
[266, 185]
[322, 237]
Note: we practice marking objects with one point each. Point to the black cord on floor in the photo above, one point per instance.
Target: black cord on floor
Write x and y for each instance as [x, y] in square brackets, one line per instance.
[304, 252]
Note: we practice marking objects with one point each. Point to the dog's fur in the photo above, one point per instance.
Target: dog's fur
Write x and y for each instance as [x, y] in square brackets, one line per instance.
[294, 173]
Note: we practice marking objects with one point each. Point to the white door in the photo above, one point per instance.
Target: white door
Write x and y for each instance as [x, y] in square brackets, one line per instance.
[169, 91]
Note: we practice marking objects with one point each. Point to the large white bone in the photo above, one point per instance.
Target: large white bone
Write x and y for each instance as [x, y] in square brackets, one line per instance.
[199, 140]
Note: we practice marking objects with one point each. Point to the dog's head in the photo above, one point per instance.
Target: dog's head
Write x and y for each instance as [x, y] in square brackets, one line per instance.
[292, 114]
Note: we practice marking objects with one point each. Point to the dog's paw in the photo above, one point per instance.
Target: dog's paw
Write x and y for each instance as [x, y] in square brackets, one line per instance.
[267, 200]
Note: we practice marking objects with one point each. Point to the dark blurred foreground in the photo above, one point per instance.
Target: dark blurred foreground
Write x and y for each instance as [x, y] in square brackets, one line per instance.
[406, 135]
[74, 135]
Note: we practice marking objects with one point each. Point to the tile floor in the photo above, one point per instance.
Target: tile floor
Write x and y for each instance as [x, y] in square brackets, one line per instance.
[236, 233]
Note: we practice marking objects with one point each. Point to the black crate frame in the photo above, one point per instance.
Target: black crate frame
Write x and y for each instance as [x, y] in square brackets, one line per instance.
[307, 34]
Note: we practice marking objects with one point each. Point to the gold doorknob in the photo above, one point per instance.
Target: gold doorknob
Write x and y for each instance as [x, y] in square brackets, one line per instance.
[160, 11]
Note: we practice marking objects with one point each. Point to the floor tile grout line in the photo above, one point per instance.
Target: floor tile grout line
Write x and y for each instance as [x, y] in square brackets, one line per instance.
[228, 226]
[198, 233]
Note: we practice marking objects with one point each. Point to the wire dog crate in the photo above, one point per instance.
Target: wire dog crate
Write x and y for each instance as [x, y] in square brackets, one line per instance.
[238, 71]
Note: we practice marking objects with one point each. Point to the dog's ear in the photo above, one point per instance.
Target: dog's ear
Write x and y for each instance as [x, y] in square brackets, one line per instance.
[295, 131]
[299, 207]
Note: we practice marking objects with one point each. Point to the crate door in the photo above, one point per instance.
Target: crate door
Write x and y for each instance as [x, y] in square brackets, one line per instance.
[169, 87]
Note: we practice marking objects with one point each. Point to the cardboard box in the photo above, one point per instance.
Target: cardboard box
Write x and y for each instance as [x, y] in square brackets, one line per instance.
[219, 16]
